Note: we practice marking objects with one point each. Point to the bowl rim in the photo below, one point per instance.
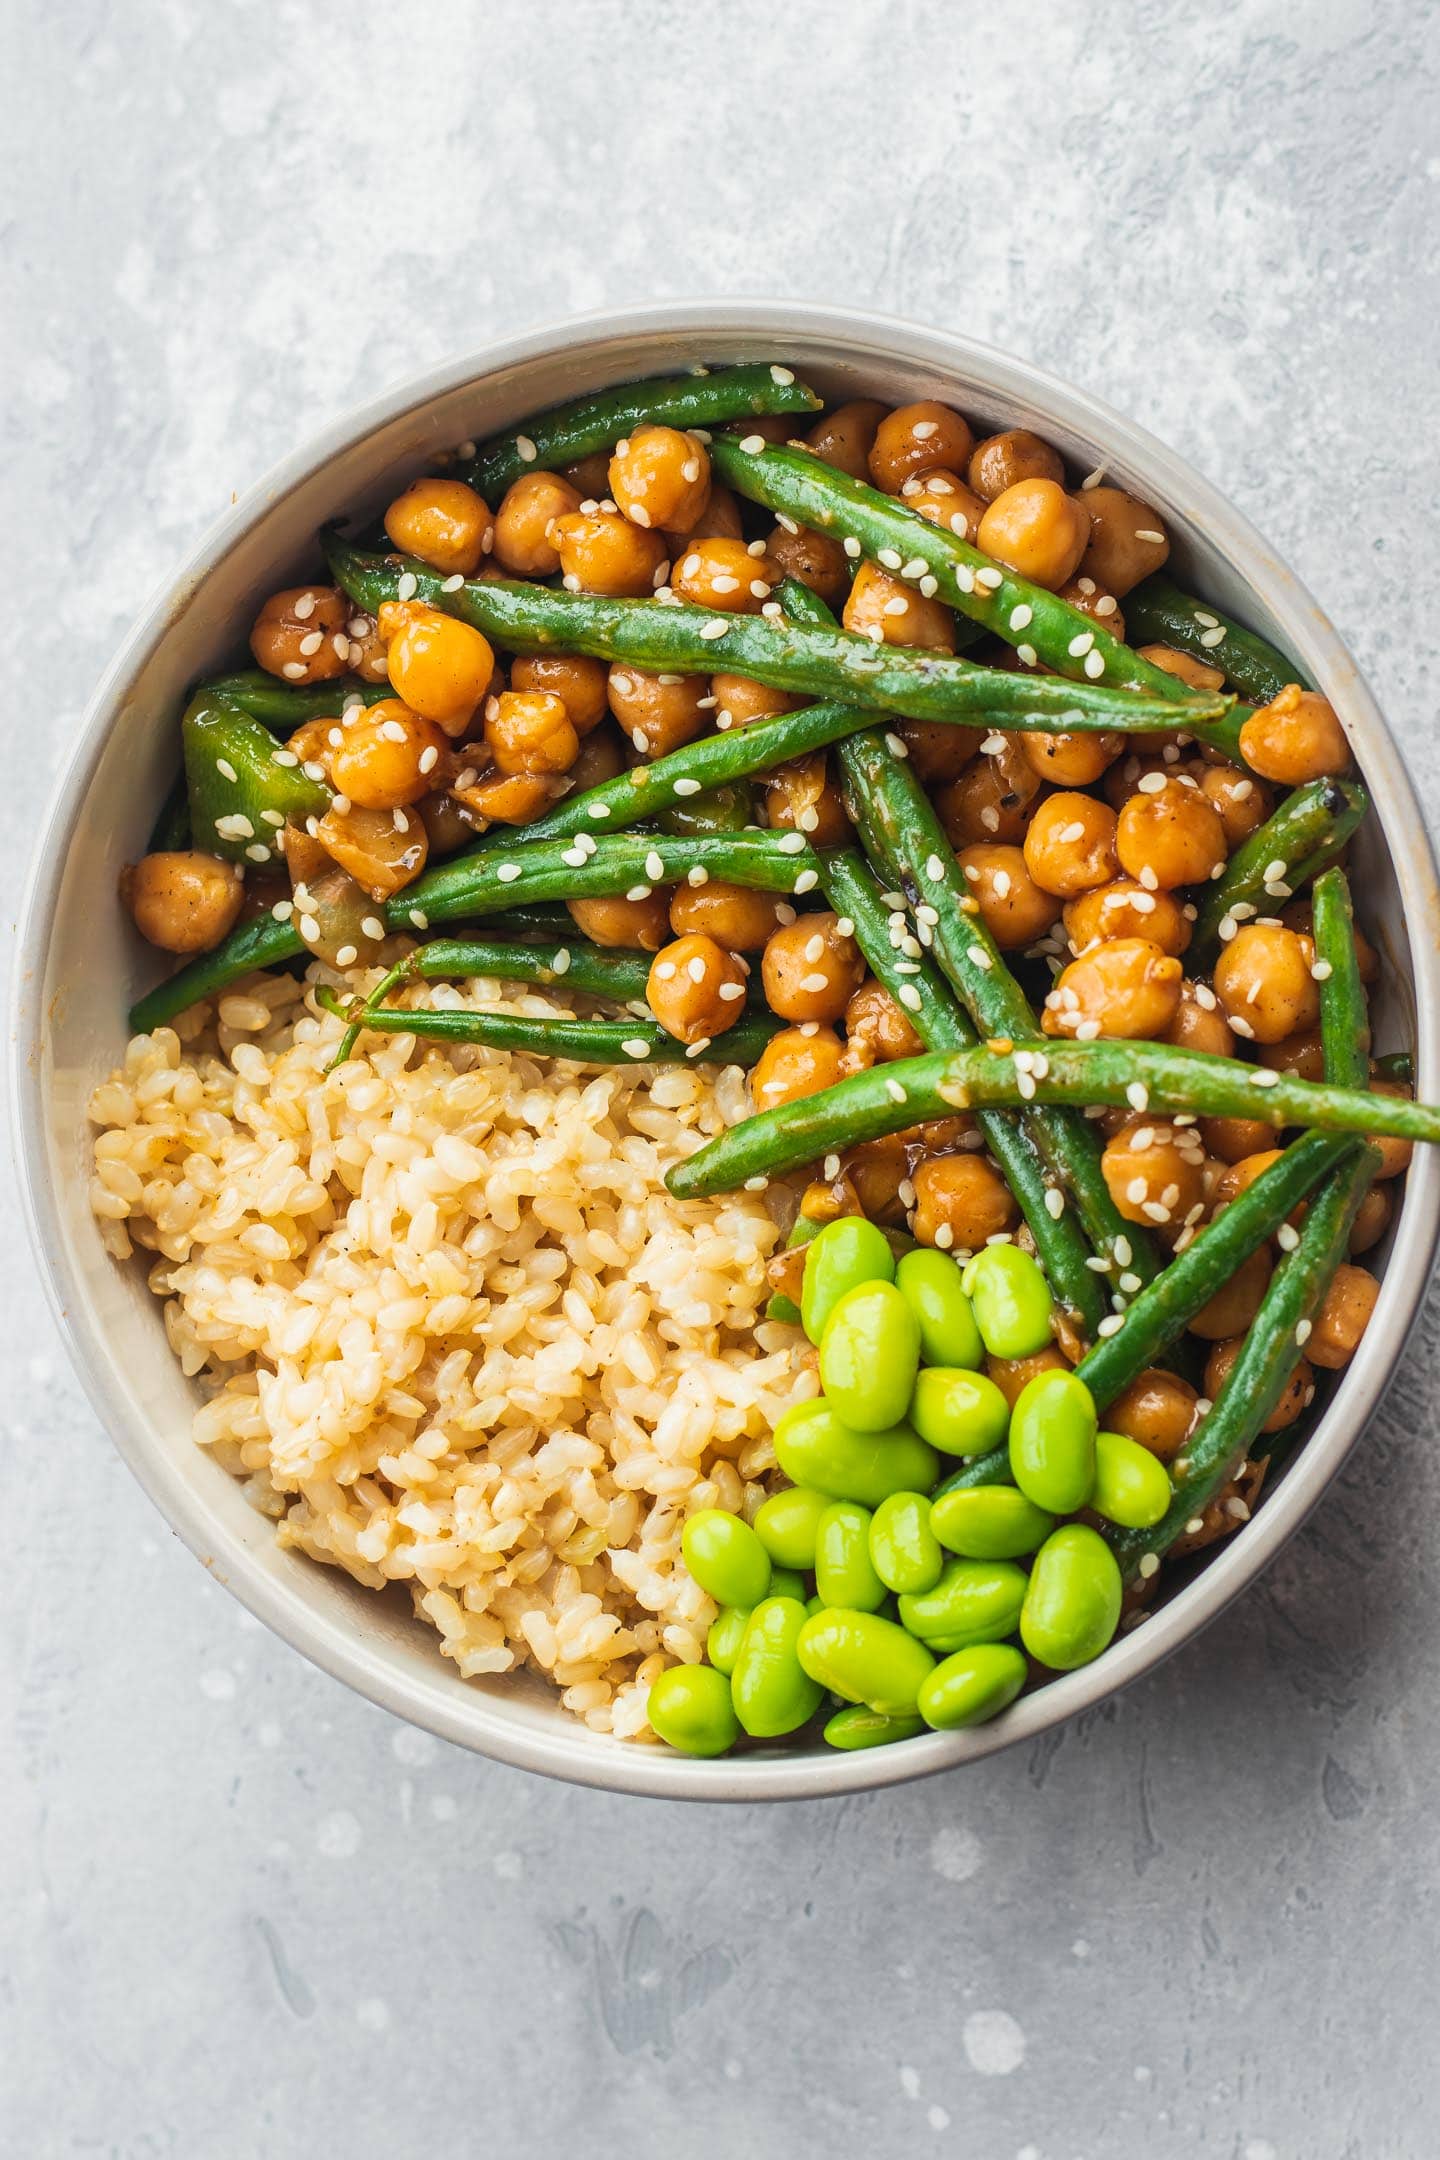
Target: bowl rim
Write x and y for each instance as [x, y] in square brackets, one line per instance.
[480, 1722]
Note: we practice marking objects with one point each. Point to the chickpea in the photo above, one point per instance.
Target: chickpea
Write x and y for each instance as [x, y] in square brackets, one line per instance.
[1088, 598]
[529, 731]
[1002, 461]
[602, 757]
[1372, 1219]
[1235, 1138]
[1157, 1409]
[642, 924]
[449, 823]
[1242, 803]
[1013, 1375]
[812, 557]
[1296, 737]
[810, 971]
[991, 799]
[510, 798]
[1296, 916]
[659, 713]
[660, 476]
[696, 988]
[938, 751]
[1037, 530]
[1124, 776]
[732, 915]
[1238, 1176]
[945, 500]
[799, 1061]
[380, 855]
[387, 756]
[1014, 909]
[801, 796]
[300, 634]
[960, 1201]
[1195, 674]
[443, 523]
[1124, 987]
[1394, 1154]
[1072, 761]
[367, 655]
[529, 507]
[891, 612]
[182, 900]
[1170, 834]
[723, 574]
[1263, 981]
[1156, 1173]
[580, 684]
[875, 1018]
[844, 438]
[1199, 1024]
[602, 552]
[1125, 909]
[719, 520]
[739, 699]
[1343, 1317]
[1070, 845]
[1126, 541]
[439, 667]
[915, 439]
[1237, 1301]
[1299, 1388]
[590, 476]
[1300, 1054]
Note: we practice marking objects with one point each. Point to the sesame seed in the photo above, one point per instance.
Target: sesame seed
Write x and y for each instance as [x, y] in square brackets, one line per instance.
[293, 670]
[654, 866]
[909, 997]
[898, 606]
[1149, 1562]
[790, 843]
[752, 445]
[257, 852]
[1094, 665]
[309, 928]
[1080, 644]
[525, 449]
[1149, 533]
[1304, 1329]
[1209, 638]
[990, 579]
[635, 1047]
[235, 826]
[944, 1236]
[1287, 1237]
[1322, 971]
[807, 881]
[1087, 1030]
[713, 629]
[598, 810]
[980, 958]
[889, 558]
[429, 758]
[639, 892]
[1111, 1324]
[896, 744]
[851, 546]
[452, 584]
[408, 586]
[419, 918]
[698, 875]
[1027, 654]
[284, 757]
[1262, 1077]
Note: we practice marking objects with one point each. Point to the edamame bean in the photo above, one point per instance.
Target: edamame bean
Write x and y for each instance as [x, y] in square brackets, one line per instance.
[725, 1557]
[904, 1550]
[959, 1412]
[1052, 1442]
[865, 1659]
[787, 1582]
[862, 1727]
[771, 1690]
[814, 1446]
[689, 1706]
[1072, 1606]
[971, 1686]
[838, 1259]
[989, 1522]
[1132, 1486]
[1010, 1299]
[844, 1572]
[727, 1632]
[869, 1354]
[929, 1282]
[974, 1601]
[786, 1524]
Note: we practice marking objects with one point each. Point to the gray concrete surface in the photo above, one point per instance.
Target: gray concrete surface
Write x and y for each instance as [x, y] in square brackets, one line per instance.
[247, 1915]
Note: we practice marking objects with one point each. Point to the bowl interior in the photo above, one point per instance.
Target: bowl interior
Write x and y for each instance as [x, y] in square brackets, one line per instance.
[81, 966]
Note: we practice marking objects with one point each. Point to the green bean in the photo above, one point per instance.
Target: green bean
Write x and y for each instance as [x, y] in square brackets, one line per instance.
[172, 826]
[240, 795]
[984, 1471]
[587, 1042]
[821, 663]
[1143, 1075]
[720, 810]
[858, 1726]
[1265, 870]
[1158, 613]
[689, 1706]
[1344, 1008]
[1396, 1065]
[567, 433]
[1024, 615]
[285, 706]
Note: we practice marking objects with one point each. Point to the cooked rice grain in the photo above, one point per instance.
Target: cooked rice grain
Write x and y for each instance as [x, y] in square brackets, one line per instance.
[452, 1330]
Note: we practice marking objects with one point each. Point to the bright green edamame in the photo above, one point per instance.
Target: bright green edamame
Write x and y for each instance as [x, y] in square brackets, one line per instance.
[789, 1583]
[990, 1522]
[725, 1557]
[771, 1690]
[844, 1572]
[974, 1601]
[971, 1686]
[865, 1659]
[727, 1632]
[1072, 1606]
[861, 1727]
[929, 1282]
[1052, 1442]
[689, 1706]
[786, 1524]
[1011, 1300]
[904, 1550]
[814, 1446]
[869, 1355]
[959, 1412]
[1132, 1486]
[842, 1256]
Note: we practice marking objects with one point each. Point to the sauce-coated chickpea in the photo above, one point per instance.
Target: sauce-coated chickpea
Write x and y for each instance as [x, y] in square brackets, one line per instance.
[1156, 1172]
[844, 437]
[1002, 461]
[696, 988]
[811, 557]
[182, 900]
[443, 523]
[1072, 761]
[602, 552]
[659, 713]
[1170, 834]
[381, 855]
[1125, 987]
[990, 799]
[1297, 916]
[1394, 1154]
[1240, 1175]
[739, 699]
[1195, 674]
[1343, 1317]
[1301, 1054]
[1012, 1375]
[1037, 530]
[1299, 1388]
[1263, 981]
[875, 1171]
[529, 507]
[300, 634]
[1088, 598]
[1014, 909]
[635, 924]
[945, 500]
[1125, 909]
[1372, 1219]
[723, 574]
[1157, 1409]
[387, 756]
[1070, 845]
[529, 731]
[1295, 738]
[915, 439]
[602, 757]
[509, 798]
[810, 970]
[719, 520]
[876, 1019]
[1199, 1023]
[799, 1061]
[1242, 803]
[580, 684]
[801, 796]
[439, 667]
[660, 476]
[590, 476]
[367, 655]
[960, 1201]
[1237, 1301]
[1232, 1139]
[891, 612]
[938, 752]
[1127, 541]
[737, 918]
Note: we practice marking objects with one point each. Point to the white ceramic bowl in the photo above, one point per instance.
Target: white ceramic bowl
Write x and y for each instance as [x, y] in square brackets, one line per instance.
[80, 966]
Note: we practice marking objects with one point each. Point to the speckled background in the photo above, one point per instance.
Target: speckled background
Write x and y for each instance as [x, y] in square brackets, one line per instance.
[248, 1915]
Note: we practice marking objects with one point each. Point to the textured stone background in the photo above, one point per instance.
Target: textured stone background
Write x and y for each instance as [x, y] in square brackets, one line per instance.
[249, 1915]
